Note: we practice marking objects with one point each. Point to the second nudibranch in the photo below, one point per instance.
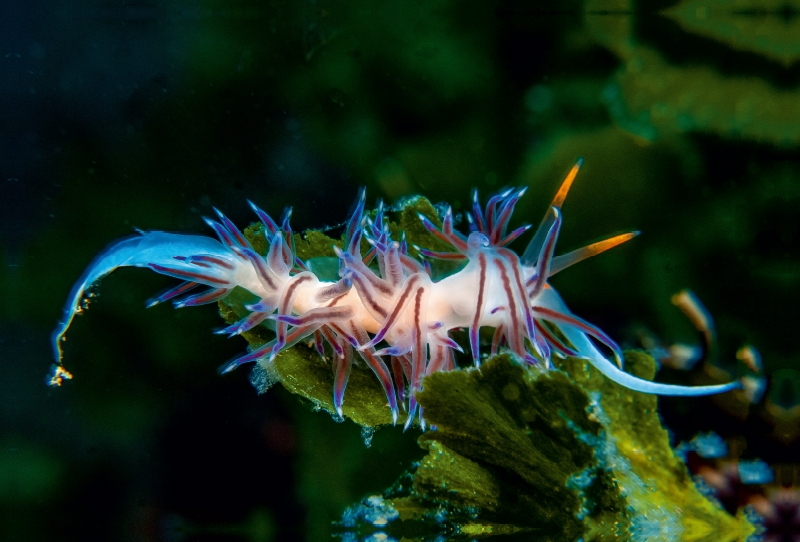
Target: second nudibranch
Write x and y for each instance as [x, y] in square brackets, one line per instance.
[386, 307]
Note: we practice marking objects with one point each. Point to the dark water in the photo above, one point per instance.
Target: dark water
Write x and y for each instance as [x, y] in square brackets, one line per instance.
[122, 115]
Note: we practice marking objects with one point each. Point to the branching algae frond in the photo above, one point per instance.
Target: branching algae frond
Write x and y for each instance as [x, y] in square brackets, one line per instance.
[525, 446]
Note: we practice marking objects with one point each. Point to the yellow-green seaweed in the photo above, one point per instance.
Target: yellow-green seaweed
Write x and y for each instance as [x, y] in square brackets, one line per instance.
[544, 454]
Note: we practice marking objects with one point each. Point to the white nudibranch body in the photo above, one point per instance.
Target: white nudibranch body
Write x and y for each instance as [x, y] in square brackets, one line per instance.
[386, 307]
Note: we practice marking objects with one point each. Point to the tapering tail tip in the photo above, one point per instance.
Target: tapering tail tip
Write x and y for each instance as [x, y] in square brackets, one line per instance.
[56, 338]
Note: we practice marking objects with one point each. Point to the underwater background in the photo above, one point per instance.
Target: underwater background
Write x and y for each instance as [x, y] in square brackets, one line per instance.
[122, 115]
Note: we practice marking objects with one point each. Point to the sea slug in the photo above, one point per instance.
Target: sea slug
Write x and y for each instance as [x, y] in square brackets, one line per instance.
[386, 305]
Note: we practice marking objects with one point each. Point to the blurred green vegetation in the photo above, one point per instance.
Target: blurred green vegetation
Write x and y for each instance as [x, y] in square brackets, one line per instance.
[148, 114]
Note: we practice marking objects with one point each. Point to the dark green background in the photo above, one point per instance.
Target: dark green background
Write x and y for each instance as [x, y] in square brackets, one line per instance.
[146, 114]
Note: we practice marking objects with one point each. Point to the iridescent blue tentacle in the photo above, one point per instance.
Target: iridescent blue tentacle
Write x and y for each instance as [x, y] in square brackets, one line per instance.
[480, 225]
[245, 324]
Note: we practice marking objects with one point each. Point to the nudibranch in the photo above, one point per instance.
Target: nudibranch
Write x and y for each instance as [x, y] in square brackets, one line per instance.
[386, 304]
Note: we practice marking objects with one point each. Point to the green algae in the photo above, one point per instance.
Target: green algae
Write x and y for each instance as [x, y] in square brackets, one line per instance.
[661, 494]
[315, 244]
[559, 455]
[411, 225]
[504, 449]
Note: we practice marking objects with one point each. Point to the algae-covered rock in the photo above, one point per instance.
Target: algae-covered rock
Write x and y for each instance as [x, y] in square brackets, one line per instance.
[558, 455]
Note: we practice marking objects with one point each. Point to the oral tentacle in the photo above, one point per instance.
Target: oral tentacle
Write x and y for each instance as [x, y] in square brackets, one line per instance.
[556, 343]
